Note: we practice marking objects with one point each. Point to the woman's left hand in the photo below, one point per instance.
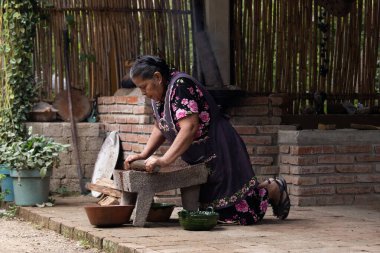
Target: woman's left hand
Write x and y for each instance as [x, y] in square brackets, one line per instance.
[153, 164]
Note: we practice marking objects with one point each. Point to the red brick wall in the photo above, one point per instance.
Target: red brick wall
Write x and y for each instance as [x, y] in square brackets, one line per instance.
[257, 120]
[331, 167]
[131, 116]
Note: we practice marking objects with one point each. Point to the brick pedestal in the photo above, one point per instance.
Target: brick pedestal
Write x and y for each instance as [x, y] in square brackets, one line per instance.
[333, 167]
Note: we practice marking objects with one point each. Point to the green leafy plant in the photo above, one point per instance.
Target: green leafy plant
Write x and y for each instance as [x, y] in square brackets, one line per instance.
[35, 152]
[6, 140]
[3, 193]
[18, 19]
[10, 213]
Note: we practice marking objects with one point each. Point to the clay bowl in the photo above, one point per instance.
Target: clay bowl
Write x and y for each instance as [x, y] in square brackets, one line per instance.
[109, 216]
[160, 212]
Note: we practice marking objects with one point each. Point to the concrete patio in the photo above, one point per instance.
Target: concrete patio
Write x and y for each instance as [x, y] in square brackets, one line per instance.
[307, 229]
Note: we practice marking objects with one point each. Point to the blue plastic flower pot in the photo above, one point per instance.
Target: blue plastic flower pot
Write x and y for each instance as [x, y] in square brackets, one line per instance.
[29, 188]
[6, 184]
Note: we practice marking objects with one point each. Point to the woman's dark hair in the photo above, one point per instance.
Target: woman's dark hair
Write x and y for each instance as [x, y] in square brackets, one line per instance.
[145, 66]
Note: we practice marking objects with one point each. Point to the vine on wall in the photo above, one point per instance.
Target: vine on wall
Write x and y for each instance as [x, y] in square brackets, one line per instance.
[18, 89]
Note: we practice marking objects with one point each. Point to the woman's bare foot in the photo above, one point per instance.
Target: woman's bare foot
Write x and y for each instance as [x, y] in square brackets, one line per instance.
[273, 189]
[278, 196]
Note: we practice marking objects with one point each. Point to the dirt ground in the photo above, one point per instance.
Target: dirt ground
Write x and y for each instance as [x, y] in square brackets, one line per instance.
[17, 236]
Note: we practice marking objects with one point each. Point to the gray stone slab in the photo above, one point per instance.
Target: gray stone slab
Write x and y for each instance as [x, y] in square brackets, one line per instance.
[318, 137]
[147, 184]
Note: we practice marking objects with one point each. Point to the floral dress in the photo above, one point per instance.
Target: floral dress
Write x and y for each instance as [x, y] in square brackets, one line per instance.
[246, 205]
[187, 99]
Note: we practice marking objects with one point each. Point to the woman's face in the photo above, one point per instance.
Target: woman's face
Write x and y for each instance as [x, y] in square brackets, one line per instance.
[152, 88]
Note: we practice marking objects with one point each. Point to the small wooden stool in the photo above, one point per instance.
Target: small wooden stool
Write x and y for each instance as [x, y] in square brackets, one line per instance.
[146, 185]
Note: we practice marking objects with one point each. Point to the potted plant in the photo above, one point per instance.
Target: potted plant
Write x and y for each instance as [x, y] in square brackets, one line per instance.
[3, 193]
[6, 184]
[6, 138]
[31, 161]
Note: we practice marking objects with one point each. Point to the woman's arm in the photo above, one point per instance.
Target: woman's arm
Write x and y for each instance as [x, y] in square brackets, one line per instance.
[188, 128]
[154, 142]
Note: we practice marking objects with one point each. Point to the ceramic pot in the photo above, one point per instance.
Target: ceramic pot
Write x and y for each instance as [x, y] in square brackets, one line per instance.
[29, 188]
[7, 184]
[109, 216]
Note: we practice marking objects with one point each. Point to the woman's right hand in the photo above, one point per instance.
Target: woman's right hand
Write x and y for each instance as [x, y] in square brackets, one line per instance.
[131, 158]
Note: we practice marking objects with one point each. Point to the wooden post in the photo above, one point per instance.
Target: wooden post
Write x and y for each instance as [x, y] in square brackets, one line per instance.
[72, 121]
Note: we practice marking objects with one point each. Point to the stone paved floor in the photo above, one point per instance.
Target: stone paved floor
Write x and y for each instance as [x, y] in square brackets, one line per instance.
[307, 229]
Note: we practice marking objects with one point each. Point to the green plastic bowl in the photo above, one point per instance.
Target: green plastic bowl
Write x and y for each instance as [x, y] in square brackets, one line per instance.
[198, 220]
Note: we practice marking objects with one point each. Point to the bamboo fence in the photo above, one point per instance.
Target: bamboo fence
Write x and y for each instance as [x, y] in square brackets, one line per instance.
[277, 49]
[276, 46]
[104, 35]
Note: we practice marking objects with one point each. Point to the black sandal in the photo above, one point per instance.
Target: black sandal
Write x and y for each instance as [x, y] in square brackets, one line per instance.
[281, 210]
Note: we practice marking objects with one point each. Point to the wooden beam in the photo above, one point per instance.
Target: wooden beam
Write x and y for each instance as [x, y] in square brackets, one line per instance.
[103, 189]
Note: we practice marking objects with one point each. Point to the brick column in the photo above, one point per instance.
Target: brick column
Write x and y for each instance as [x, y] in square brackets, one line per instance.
[331, 167]
[131, 116]
[257, 120]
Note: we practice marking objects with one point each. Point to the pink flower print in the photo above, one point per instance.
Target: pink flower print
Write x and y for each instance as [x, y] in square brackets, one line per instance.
[197, 134]
[262, 192]
[242, 206]
[174, 107]
[193, 106]
[222, 202]
[264, 205]
[191, 90]
[244, 190]
[252, 182]
[199, 92]
[180, 113]
[251, 192]
[185, 101]
[204, 116]
[254, 216]
[233, 198]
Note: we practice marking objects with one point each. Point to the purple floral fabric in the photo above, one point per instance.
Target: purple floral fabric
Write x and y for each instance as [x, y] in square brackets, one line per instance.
[247, 211]
[187, 99]
[245, 207]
